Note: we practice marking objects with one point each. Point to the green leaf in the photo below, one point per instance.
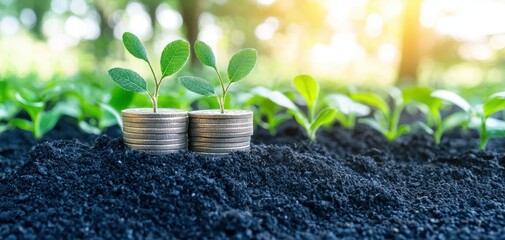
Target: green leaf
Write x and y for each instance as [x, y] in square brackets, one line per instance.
[374, 124]
[275, 96]
[22, 124]
[134, 46]
[197, 85]
[241, 64]
[128, 79]
[455, 120]
[452, 98]
[373, 100]
[494, 104]
[173, 57]
[324, 117]
[204, 54]
[308, 87]
[346, 105]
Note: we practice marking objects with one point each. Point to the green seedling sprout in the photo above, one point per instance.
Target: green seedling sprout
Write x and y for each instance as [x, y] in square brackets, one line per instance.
[41, 120]
[240, 65]
[308, 88]
[173, 57]
[478, 117]
[387, 119]
[457, 119]
[346, 109]
[269, 114]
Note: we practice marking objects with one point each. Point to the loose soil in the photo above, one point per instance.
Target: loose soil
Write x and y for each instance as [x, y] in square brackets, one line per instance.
[349, 184]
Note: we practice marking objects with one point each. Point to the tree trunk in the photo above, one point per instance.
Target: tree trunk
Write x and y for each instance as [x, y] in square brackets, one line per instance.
[190, 11]
[410, 44]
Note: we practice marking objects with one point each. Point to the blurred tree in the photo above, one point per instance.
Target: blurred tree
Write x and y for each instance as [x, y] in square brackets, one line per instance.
[190, 11]
[410, 43]
[39, 7]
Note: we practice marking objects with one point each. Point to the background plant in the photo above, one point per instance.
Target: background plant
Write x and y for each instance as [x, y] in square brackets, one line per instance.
[346, 109]
[173, 58]
[270, 108]
[240, 65]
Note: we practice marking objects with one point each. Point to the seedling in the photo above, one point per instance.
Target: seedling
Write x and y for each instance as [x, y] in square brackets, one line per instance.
[173, 58]
[311, 121]
[240, 65]
[478, 117]
[386, 119]
[270, 114]
[346, 109]
[41, 120]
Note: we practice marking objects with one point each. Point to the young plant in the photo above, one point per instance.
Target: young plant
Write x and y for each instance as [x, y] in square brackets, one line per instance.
[386, 119]
[490, 127]
[240, 65]
[269, 114]
[42, 119]
[173, 58]
[346, 109]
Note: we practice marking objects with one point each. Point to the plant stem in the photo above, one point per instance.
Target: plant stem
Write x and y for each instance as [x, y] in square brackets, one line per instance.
[483, 134]
[223, 91]
[395, 119]
[156, 89]
[36, 125]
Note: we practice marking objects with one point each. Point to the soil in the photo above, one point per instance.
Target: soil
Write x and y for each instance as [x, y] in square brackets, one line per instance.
[349, 184]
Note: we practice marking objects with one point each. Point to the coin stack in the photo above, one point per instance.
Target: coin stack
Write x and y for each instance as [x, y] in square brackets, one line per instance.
[155, 133]
[214, 133]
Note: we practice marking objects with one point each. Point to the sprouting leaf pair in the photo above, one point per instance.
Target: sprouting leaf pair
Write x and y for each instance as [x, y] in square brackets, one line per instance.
[240, 65]
[173, 57]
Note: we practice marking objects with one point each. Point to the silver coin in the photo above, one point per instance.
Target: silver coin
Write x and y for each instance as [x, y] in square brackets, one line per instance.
[193, 134]
[220, 125]
[219, 150]
[155, 142]
[221, 140]
[166, 136]
[219, 145]
[155, 120]
[222, 130]
[161, 152]
[155, 130]
[149, 113]
[216, 114]
[155, 125]
[157, 147]
[220, 121]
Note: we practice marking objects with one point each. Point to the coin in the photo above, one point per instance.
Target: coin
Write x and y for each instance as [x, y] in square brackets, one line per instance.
[219, 145]
[219, 125]
[220, 121]
[148, 113]
[221, 140]
[161, 152]
[155, 130]
[216, 114]
[157, 147]
[193, 134]
[151, 136]
[155, 142]
[222, 130]
[155, 120]
[219, 150]
[155, 125]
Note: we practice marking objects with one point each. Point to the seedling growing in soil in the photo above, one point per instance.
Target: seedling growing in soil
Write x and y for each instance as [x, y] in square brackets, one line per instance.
[240, 65]
[490, 127]
[347, 110]
[387, 119]
[478, 117]
[270, 113]
[457, 119]
[173, 58]
[42, 120]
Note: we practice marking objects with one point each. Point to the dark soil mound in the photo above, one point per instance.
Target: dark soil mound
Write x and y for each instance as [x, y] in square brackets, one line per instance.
[351, 184]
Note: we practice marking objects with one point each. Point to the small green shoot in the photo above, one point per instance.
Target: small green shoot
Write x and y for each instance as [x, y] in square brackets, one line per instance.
[489, 127]
[240, 65]
[347, 110]
[270, 114]
[173, 57]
